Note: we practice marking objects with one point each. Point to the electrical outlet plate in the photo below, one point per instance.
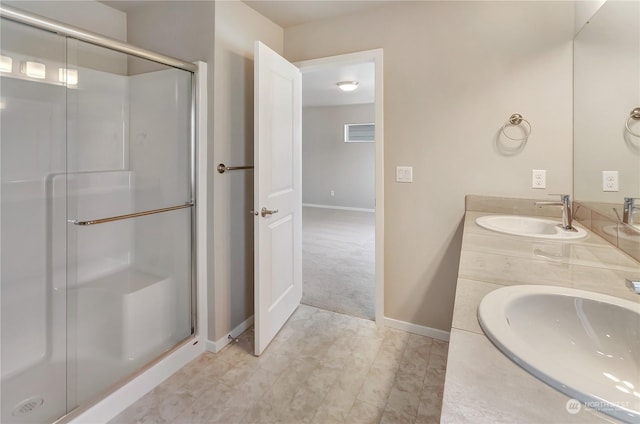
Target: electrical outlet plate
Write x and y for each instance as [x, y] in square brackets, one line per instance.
[404, 174]
[538, 178]
[610, 181]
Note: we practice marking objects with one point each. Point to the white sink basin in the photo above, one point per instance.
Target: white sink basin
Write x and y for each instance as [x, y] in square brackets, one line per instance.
[584, 344]
[529, 227]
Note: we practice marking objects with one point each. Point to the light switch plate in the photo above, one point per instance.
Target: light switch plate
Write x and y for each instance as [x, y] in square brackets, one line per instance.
[610, 181]
[404, 174]
[538, 178]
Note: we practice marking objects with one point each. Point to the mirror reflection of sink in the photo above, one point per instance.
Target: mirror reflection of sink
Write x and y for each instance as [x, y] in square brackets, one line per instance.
[584, 344]
[529, 227]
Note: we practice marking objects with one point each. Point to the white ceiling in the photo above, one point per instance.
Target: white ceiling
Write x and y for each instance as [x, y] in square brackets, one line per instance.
[285, 13]
[319, 87]
[295, 12]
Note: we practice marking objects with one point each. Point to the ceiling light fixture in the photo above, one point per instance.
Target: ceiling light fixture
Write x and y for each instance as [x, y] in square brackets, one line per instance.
[347, 85]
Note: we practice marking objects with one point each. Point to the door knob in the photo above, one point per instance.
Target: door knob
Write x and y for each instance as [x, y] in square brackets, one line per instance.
[264, 212]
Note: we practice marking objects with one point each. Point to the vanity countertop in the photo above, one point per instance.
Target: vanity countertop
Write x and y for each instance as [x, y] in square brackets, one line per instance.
[482, 385]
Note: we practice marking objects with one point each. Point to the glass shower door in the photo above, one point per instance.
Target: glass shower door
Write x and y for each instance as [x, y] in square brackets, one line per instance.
[129, 215]
[96, 219]
[33, 239]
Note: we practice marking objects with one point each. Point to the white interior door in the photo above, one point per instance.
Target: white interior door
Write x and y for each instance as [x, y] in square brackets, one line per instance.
[278, 193]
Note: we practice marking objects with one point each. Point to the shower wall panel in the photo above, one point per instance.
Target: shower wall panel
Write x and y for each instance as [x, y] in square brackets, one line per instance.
[98, 122]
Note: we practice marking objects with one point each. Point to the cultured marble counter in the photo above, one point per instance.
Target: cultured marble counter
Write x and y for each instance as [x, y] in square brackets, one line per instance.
[484, 386]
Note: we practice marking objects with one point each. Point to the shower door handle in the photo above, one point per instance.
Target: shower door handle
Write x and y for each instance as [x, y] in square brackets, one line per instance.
[130, 215]
[264, 212]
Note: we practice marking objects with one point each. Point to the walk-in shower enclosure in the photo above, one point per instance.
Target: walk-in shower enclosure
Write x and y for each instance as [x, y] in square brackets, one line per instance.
[96, 219]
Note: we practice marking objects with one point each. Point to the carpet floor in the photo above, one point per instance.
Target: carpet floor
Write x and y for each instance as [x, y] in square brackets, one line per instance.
[338, 261]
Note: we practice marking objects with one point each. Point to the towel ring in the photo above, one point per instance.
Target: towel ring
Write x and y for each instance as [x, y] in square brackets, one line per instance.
[635, 115]
[516, 119]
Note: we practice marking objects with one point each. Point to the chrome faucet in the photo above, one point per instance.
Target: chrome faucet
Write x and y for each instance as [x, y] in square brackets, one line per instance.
[567, 214]
[634, 285]
[630, 205]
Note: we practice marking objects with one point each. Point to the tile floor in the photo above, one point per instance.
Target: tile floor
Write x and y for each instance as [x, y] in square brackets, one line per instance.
[323, 367]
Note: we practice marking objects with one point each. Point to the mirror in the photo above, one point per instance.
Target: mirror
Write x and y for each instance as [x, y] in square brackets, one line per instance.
[606, 90]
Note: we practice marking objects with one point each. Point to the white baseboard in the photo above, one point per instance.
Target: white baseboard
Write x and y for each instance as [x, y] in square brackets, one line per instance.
[434, 333]
[217, 346]
[344, 208]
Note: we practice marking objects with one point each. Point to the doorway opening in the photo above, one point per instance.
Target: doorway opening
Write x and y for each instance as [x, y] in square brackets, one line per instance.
[342, 188]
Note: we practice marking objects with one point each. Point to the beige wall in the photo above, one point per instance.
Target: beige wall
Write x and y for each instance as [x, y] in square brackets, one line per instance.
[182, 29]
[88, 14]
[328, 163]
[584, 10]
[454, 72]
[237, 27]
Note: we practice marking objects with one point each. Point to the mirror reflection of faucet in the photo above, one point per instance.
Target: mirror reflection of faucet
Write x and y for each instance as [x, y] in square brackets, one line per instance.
[567, 214]
[631, 205]
[631, 230]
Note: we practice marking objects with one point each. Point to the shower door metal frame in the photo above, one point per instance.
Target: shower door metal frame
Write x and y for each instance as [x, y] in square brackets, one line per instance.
[50, 25]
[70, 31]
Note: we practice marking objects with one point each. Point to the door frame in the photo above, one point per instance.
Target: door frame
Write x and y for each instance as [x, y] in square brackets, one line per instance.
[374, 56]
